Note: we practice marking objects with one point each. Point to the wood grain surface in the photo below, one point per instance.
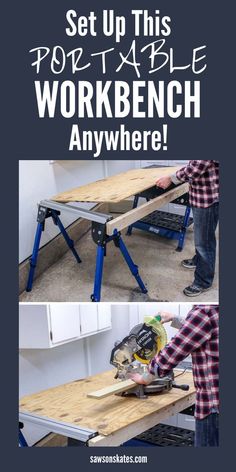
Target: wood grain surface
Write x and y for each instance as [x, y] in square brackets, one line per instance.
[126, 219]
[117, 187]
[69, 403]
[112, 389]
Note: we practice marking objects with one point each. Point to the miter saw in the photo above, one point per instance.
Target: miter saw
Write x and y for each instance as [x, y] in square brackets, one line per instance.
[133, 354]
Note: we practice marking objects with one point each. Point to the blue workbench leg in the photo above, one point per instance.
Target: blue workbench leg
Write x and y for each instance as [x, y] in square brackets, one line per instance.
[135, 204]
[184, 229]
[33, 259]
[133, 267]
[22, 441]
[96, 296]
[64, 233]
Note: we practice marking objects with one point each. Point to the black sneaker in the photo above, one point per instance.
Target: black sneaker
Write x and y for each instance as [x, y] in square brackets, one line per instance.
[188, 264]
[194, 291]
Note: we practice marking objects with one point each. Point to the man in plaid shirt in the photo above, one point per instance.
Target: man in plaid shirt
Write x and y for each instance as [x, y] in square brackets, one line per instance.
[203, 178]
[198, 336]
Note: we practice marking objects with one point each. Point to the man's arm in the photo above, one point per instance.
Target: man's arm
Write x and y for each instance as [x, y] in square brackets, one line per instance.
[177, 321]
[194, 333]
[192, 171]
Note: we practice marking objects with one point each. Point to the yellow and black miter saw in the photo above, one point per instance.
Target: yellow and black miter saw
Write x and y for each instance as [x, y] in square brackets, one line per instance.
[133, 354]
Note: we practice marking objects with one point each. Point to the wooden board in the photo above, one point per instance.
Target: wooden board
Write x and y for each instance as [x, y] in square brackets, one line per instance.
[122, 221]
[69, 404]
[52, 440]
[112, 389]
[117, 187]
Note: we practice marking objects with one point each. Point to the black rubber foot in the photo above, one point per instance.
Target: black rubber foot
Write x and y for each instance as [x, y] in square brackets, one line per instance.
[179, 249]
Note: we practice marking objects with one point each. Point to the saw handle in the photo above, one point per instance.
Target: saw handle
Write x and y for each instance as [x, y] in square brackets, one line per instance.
[182, 387]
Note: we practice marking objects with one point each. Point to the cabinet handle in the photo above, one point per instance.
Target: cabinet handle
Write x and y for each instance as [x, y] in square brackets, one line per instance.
[51, 335]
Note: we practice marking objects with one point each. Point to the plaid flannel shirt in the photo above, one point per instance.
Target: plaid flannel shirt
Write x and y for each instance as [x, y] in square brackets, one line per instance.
[203, 178]
[199, 336]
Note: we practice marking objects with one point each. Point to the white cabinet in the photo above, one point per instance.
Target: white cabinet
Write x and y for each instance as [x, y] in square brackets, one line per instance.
[34, 327]
[181, 421]
[104, 316]
[88, 318]
[95, 318]
[186, 422]
[64, 321]
[50, 325]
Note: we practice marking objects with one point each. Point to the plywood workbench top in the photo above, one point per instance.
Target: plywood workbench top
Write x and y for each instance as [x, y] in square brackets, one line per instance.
[117, 187]
[69, 403]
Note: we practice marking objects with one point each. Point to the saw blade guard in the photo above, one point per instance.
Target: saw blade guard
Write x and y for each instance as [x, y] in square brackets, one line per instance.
[151, 338]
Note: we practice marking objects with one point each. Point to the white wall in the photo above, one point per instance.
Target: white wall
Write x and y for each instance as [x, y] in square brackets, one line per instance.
[40, 180]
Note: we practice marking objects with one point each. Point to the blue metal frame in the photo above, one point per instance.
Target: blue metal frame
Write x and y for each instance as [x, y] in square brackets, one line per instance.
[22, 441]
[167, 233]
[183, 233]
[33, 259]
[133, 267]
[101, 252]
[68, 240]
[96, 296]
[38, 234]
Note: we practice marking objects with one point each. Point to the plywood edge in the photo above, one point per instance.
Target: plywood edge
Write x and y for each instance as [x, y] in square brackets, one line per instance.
[138, 427]
[112, 389]
[136, 214]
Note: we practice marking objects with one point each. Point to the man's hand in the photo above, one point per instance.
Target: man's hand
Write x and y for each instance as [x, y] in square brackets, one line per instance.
[164, 182]
[144, 379]
[165, 316]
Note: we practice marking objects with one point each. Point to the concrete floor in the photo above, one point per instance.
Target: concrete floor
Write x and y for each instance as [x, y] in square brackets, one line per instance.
[159, 267]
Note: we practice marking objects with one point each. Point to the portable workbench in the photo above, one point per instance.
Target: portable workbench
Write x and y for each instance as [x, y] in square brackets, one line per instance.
[104, 227]
[110, 421]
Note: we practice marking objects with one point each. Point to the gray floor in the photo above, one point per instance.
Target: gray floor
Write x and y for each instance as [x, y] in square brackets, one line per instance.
[159, 267]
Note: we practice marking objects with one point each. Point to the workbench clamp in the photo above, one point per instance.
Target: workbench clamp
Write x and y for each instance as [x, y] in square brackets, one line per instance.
[99, 233]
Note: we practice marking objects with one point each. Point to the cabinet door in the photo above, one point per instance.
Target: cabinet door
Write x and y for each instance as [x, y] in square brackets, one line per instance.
[65, 323]
[186, 422]
[88, 318]
[33, 327]
[104, 316]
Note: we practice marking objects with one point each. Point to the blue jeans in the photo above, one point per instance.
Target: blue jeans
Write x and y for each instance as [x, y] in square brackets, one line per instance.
[205, 223]
[207, 431]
